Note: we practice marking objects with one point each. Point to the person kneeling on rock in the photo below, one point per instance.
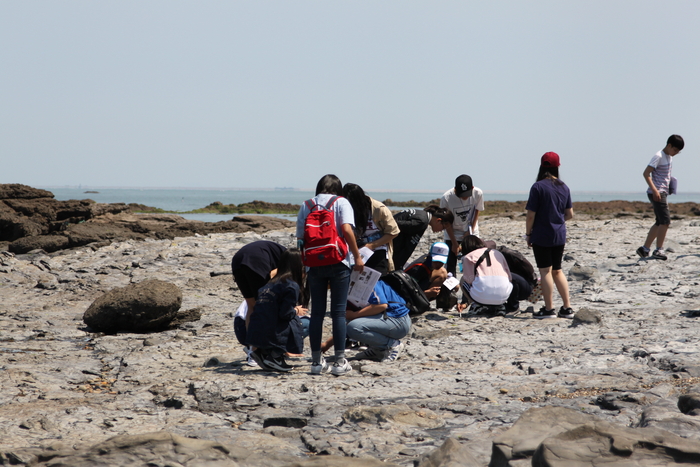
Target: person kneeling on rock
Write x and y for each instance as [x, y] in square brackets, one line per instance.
[274, 327]
[487, 281]
[380, 325]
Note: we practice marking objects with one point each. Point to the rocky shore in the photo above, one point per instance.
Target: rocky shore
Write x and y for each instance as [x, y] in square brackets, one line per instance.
[619, 383]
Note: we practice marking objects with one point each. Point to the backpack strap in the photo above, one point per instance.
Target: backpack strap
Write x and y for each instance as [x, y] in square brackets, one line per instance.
[486, 256]
[310, 204]
[330, 202]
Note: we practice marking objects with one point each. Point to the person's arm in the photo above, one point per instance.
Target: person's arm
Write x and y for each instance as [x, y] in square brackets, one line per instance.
[647, 177]
[352, 244]
[383, 240]
[529, 223]
[451, 233]
[475, 220]
[569, 214]
[369, 310]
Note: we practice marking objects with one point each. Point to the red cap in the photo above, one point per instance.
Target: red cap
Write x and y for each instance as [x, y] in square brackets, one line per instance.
[550, 159]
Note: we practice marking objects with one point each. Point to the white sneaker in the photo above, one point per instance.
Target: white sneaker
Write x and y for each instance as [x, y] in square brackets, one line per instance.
[251, 361]
[341, 367]
[319, 367]
[394, 353]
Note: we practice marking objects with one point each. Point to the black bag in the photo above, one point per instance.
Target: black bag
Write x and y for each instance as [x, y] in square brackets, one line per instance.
[408, 289]
[518, 264]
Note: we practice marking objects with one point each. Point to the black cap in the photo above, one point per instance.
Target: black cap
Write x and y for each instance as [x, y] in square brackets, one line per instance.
[463, 186]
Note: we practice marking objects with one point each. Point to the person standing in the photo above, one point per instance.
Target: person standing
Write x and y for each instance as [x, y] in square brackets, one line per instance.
[548, 208]
[375, 227]
[329, 191]
[658, 177]
[465, 201]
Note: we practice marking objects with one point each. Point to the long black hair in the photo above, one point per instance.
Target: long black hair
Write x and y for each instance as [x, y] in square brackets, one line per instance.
[329, 184]
[551, 173]
[471, 243]
[444, 214]
[291, 267]
[361, 205]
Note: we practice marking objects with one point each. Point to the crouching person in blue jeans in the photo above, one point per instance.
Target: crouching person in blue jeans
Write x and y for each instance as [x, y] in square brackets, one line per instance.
[380, 325]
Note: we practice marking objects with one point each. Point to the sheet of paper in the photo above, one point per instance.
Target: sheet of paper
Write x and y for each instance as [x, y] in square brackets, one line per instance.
[451, 283]
[361, 286]
[365, 253]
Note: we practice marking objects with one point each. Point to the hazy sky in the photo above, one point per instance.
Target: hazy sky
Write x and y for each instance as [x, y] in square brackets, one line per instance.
[397, 95]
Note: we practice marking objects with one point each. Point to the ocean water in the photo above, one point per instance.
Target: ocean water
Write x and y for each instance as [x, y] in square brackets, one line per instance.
[184, 199]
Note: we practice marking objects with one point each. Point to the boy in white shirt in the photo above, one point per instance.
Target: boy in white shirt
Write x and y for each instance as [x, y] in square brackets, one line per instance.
[658, 176]
[465, 201]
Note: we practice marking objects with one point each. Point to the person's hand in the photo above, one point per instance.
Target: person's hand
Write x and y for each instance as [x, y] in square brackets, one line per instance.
[455, 248]
[301, 311]
[359, 264]
[657, 196]
[527, 240]
[350, 315]
[461, 307]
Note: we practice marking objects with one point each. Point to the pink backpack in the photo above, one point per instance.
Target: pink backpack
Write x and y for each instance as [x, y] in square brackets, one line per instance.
[322, 244]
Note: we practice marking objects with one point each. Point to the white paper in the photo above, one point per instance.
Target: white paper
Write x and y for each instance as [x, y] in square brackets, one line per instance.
[451, 283]
[361, 286]
[365, 253]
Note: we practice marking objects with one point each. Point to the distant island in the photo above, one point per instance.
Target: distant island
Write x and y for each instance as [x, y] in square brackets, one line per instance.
[91, 191]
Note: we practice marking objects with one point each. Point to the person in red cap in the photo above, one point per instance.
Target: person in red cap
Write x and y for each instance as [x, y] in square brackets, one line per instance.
[548, 208]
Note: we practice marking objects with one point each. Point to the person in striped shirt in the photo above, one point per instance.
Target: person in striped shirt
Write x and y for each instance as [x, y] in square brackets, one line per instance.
[658, 176]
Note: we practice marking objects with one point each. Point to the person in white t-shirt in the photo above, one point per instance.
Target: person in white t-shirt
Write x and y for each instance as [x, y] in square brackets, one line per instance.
[465, 201]
[658, 177]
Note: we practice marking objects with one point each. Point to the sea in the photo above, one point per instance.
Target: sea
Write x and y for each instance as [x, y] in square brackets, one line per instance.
[187, 199]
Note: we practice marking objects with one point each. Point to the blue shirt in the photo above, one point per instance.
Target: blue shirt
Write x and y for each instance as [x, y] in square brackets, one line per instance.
[549, 199]
[383, 294]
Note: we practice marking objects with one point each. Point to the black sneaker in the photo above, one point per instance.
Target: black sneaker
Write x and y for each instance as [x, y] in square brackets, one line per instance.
[642, 252]
[659, 253]
[545, 313]
[567, 313]
[497, 310]
[259, 358]
[277, 363]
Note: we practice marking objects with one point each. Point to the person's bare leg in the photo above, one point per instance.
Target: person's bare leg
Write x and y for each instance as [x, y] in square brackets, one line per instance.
[651, 236]
[559, 279]
[547, 287]
[661, 235]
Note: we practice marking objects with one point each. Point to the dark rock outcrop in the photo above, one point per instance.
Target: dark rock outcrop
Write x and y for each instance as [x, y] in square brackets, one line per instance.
[144, 307]
[31, 219]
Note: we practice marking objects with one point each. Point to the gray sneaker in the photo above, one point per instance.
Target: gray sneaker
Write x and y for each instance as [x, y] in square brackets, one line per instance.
[394, 353]
[341, 367]
[319, 367]
[371, 354]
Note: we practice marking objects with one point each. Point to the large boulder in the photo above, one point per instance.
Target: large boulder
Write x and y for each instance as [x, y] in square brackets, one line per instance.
[560, 436]
[144, 307]
[48, 243]
[19, 191]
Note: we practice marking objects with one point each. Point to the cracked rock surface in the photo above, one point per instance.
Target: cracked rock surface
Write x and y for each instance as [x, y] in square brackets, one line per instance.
[630, 360]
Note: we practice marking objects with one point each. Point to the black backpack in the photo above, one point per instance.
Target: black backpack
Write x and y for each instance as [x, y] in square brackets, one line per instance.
[408, 289]
[518, 264]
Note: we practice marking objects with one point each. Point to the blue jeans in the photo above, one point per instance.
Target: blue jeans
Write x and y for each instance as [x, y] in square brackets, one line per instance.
[377, 332]
[319, 278]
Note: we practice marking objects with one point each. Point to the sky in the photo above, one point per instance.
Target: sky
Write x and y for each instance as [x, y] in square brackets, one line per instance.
[391, 95]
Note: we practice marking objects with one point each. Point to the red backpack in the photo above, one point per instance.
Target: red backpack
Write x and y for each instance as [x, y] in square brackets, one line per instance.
[322, 244]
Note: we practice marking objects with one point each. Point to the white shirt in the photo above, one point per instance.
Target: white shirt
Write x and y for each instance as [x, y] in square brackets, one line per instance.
[464, 211]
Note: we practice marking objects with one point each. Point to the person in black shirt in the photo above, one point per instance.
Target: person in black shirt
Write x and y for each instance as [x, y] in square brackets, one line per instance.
[412, 224]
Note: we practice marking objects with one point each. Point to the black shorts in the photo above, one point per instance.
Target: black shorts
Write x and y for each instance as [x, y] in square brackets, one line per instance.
[663, 216]
[548, 256]
[248, 281]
